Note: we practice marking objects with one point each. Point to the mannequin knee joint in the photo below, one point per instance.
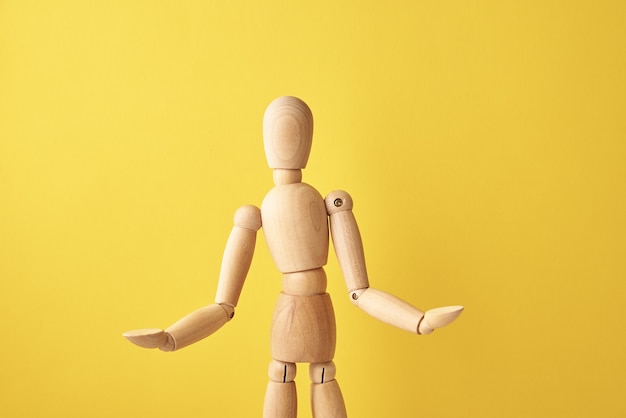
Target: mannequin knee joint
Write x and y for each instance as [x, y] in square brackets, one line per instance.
[322, 372]
[282, 372]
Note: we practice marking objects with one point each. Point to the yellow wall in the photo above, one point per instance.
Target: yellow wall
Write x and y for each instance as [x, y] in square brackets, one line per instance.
[484, 144]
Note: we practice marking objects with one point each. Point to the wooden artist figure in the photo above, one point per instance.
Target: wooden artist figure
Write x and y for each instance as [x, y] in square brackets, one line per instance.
[296, 220]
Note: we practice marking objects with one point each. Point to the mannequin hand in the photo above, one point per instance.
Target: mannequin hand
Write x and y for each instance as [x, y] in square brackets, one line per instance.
[438, 317]
[150, 338]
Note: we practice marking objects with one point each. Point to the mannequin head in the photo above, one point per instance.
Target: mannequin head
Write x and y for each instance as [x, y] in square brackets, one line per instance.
[287, 133]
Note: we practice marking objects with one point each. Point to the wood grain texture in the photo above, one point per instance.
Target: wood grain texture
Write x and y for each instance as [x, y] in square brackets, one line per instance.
[295, 226]
[281, 372]
[305, 283]
[280, 400]
[322, 372]
[287, 133]
[303, 329]
[388, 308]
[198, 324]
[327, 400]
[238, 254]
[347, 240]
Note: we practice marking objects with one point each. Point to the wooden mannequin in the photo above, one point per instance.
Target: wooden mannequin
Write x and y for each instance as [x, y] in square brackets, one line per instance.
[295, 220]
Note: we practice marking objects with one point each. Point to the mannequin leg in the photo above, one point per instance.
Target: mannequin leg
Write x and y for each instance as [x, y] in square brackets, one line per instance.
[326, 398]
[280, 397]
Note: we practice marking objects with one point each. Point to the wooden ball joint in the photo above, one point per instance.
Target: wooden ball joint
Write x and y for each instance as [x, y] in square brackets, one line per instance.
[296, 220]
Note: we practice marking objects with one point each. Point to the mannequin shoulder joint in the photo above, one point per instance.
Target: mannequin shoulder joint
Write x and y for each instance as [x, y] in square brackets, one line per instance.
[248, 217]
[338, 201]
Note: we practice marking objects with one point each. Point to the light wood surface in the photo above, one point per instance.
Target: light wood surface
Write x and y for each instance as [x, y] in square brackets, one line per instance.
[280, 400]
[282, 372]
[295, 226]
[284, 176]
[347, 240]
[438, 318]
[238, 255]
[198, 324]
[303, 329]
[147, 337]
[305, 283]
[322, 372]
[287, 133]
[327, 400]
[388, 308]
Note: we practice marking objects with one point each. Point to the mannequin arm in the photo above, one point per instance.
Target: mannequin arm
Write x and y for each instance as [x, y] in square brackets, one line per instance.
[205, 321]
[381, 305]
[347, 240]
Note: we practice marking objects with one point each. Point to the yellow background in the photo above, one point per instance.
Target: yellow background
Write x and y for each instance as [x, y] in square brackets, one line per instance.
[483, 142]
